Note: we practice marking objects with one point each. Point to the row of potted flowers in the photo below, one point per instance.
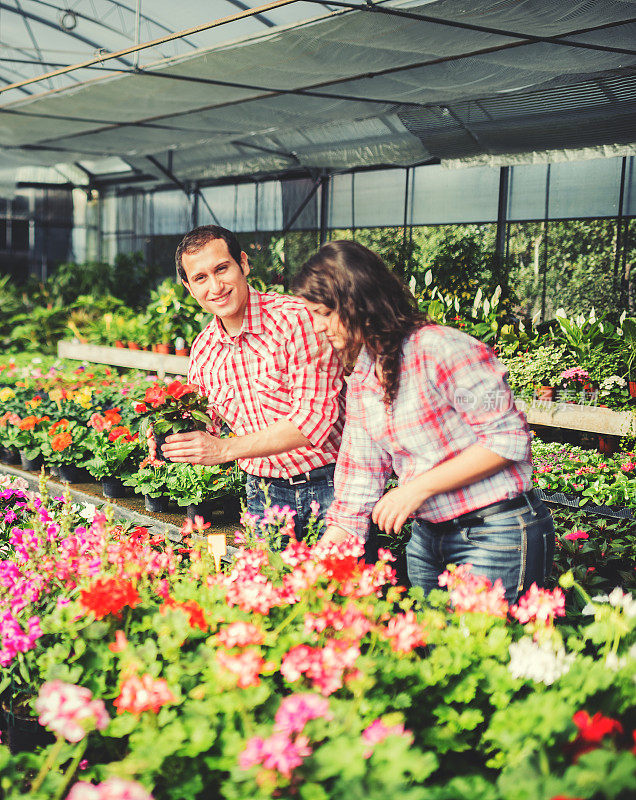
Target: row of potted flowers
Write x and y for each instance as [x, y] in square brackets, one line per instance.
[106, 430]
[306, 673]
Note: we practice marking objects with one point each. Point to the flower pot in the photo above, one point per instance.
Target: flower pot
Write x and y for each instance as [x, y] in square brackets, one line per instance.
[160, 440]
[164, 349]
[119, 344]
[607, 444]
[9, 455]
[134, 346]
[113, 487]
[24, 733]
[229, 506]
[182, 351]
[54, 469]
[545, 393]
[31, 464]
[632, 388]
[72, 474]
[156, 504]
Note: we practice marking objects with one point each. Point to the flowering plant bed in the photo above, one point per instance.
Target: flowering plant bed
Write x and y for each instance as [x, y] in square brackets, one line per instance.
[588, 475]
[306, 673]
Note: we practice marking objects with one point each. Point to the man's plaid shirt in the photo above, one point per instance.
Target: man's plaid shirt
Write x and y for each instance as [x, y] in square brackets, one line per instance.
[276, 368]
[453, 393]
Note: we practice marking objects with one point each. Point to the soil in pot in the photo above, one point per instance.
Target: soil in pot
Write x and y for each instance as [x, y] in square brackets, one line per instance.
[113, 488]
[157, 505]
[72, 474]
[31, 464]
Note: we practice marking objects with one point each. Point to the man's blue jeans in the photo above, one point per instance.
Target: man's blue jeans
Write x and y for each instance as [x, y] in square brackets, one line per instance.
[298, 498]
[516, 546]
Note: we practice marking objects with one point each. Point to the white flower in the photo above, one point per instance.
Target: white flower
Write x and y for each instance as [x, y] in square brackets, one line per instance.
[428, 277]
[620, 599]
[541, 663]
[88, 512]
[413, 284]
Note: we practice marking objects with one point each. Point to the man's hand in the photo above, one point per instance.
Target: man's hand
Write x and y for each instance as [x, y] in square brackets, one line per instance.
[396, 506]
[196, 447]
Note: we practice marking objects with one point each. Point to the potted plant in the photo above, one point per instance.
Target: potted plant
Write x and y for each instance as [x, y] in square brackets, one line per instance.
[204, 490]
[150, 480]
[538, 369]
[68, 447]
[28, 437]
[114, 450]
[170, 409]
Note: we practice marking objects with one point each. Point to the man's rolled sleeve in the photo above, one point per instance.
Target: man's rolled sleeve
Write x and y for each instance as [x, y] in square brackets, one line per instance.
[474, 381]
[362, 471]
[315, 381]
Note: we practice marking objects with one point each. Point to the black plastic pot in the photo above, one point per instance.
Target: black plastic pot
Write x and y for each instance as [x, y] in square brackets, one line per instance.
[226, 508]
[9, 455]
[72, 474]
[160, 439]
[23, 733]
[113, 487]
[31, 464]
[156, 504]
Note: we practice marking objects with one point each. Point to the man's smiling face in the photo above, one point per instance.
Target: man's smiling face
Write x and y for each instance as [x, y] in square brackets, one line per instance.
[218, 283]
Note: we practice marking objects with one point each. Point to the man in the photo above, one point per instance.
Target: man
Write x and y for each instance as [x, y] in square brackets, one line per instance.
[268, 374]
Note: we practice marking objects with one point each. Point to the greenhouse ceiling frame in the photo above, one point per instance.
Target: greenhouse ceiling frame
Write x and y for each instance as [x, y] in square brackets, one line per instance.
[404, 126]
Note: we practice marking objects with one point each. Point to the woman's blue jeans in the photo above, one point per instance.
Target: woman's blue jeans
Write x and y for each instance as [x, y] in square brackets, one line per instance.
[516, 546]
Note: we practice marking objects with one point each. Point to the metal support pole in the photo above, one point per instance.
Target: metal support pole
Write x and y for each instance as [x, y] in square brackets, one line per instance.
[619, 228]
[324, 207]
[545, 243]
[502, 216]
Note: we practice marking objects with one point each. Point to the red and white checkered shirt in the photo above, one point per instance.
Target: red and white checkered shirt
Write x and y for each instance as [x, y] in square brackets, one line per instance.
[275, 368]
[453, 393]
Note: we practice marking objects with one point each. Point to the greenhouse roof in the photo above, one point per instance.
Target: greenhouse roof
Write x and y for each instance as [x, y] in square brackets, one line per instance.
[134, 93]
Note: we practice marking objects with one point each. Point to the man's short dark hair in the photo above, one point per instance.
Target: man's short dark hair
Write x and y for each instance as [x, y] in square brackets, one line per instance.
[197, 239]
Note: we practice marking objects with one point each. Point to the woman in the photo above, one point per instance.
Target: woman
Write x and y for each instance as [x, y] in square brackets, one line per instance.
[431, 404]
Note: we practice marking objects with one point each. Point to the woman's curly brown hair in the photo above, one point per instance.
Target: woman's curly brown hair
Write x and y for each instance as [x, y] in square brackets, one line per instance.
[376, 309]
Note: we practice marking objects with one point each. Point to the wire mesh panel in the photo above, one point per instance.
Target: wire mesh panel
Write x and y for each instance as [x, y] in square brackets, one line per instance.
[171, 213]
[218, 206]
[454, 195]
[379, 198]
[584, 188]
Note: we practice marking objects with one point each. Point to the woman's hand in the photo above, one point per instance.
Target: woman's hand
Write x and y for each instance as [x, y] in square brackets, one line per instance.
[333, 535]
[396, 506]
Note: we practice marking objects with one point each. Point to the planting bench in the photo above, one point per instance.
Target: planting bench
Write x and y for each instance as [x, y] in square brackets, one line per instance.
[123, 357]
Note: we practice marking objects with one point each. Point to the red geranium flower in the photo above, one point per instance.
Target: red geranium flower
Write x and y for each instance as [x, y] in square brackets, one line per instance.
[592, 730]
[155, 395]
[177, 389]
[140, 408]
[109, 596]
[28, 423]
[196, 616]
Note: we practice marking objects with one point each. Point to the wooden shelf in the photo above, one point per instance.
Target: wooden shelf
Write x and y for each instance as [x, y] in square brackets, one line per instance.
[578, 417]
[123, 357]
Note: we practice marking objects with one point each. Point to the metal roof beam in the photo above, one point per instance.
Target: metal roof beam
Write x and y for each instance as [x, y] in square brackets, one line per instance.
[119, 54]
[527, 37]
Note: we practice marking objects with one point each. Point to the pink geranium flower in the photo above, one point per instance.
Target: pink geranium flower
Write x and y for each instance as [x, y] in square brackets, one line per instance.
[404, 632]
[474, 593]
[297, 709]
[70, 711]
[278, 752]
[110, 789]
[377, 732]
[539, 605]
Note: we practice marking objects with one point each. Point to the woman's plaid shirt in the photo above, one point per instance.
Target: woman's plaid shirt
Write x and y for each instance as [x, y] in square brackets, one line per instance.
[275, 368]
[453, 394]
